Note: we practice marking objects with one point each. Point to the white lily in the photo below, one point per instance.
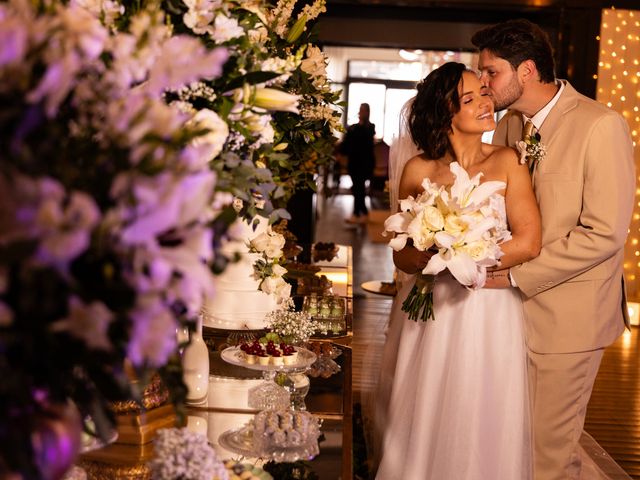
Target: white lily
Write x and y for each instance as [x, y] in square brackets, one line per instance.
[461, 265]
[272, 99]
[469, 192]
[398, 223]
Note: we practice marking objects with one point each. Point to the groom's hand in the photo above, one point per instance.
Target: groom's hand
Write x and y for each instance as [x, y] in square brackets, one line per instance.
[497, 279]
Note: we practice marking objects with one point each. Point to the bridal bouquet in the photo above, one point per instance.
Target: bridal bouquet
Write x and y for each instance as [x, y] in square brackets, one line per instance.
[463, 224]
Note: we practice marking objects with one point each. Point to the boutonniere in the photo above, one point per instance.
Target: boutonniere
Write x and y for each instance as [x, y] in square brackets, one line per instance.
[531, 149]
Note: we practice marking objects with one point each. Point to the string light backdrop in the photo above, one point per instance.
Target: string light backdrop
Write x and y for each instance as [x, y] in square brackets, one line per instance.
[618, 87]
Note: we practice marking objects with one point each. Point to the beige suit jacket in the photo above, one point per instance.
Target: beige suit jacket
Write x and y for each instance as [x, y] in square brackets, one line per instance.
[573, 292]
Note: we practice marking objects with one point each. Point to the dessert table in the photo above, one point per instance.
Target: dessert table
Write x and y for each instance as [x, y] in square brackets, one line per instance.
[329, 399]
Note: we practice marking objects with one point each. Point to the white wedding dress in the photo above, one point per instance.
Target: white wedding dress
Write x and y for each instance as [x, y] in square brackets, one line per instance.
[457, 388]
[452, 403]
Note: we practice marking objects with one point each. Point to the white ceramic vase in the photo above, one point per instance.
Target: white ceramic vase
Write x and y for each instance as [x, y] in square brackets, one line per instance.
[195, 365]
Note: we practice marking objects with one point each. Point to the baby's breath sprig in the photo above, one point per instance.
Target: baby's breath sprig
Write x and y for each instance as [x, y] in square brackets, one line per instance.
[292, 326]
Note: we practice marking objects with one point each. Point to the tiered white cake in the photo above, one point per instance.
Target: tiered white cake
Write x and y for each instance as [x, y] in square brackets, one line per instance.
[237, 303]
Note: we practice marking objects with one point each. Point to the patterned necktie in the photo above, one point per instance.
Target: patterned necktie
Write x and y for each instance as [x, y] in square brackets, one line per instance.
[528, 129]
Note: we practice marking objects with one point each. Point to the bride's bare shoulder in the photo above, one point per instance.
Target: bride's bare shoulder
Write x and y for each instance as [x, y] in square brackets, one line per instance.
[419, 162]
[415, 170]
[501, 154]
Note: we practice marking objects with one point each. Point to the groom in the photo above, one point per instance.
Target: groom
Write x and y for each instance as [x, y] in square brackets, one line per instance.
[574, 299]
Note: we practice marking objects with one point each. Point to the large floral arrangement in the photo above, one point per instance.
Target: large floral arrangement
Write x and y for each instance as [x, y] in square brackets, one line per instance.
[273, 108]
[124, 126]
[105, 211]
[463, 224]
[274, 97]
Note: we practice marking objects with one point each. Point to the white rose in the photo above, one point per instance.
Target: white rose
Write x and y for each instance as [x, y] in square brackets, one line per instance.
[276, 286]
[270, 284]
[432, 218]
[278, 270]
[477, 250]
[454, 224]
[260, 243]
[284, 292]
[421, 235]
[274, 248]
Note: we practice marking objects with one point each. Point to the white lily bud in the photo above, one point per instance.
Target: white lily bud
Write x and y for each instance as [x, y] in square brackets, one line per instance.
[272, 99]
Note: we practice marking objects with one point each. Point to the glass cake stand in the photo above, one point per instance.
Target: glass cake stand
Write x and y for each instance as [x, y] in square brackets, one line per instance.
[269, 395]
[240, 441]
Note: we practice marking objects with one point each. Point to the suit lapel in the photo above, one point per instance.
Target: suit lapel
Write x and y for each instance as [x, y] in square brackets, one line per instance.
[568, 101]
[514, 132]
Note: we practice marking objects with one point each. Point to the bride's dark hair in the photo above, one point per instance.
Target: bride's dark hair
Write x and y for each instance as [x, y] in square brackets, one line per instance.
[433, 108]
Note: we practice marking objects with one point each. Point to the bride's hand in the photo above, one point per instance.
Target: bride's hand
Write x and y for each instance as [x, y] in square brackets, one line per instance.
[411, 260]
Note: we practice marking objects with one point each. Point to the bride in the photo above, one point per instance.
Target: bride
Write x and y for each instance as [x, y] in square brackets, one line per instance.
[452, 401]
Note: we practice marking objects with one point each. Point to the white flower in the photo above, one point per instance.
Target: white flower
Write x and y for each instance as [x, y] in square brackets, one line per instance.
[79, 40]
[521, 146]
[268, 242]
[153, 335]
[313, 10]
[199, 20]
[279, 270]
[398, 223]
[203, 4]
[87, 322]
[183, 60]
[108, 10]
[66, 227]
[162, 203]
[211, 143]
[272, 99]
[280, 15]
[531, 150]
[469, 192]
[182, 454]
[258, 35]
[225, 29]
[315, 64]
[222, 200]
[276, 286]
[295, 327]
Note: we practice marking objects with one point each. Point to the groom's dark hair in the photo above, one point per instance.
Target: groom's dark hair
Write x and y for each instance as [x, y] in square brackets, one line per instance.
[433, 108]
[516, 41]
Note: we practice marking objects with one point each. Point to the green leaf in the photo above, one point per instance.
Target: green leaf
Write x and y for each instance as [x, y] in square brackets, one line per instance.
[252, 78]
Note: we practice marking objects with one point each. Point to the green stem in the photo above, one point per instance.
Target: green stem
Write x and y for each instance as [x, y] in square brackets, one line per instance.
[419, 302]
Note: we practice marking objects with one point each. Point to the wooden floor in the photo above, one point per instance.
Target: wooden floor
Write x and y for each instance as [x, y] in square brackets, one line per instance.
[613, 416]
